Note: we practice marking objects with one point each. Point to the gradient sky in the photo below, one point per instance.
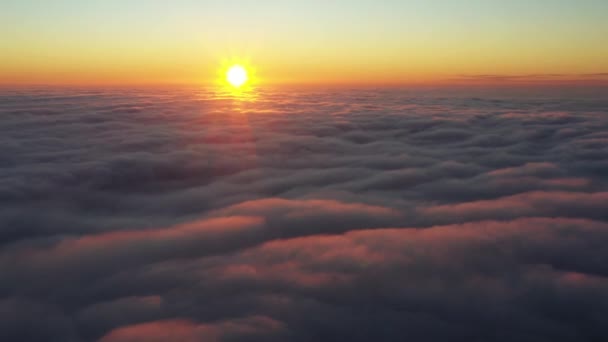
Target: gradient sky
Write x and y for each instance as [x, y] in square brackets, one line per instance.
[315, 41]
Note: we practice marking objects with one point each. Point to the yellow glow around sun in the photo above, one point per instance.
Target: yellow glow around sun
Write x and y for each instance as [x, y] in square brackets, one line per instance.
[236, 75]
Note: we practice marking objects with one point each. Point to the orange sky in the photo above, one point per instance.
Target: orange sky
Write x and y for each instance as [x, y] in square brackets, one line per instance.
[157, 42]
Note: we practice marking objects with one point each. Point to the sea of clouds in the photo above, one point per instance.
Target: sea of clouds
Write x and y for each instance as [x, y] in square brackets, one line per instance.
[382, 214]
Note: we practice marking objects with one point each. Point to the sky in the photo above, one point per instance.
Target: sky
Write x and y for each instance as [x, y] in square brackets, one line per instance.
[186, 41]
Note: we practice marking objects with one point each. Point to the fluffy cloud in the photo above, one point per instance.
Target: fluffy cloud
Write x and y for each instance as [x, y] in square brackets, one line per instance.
[308, 215]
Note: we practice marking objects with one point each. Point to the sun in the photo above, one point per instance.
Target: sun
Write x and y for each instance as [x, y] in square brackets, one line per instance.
[237, 75]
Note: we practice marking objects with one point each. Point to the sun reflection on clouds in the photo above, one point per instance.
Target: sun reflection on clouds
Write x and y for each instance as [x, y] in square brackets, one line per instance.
[239, 95]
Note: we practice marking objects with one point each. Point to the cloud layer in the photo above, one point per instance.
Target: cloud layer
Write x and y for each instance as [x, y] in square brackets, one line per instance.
[304, 215]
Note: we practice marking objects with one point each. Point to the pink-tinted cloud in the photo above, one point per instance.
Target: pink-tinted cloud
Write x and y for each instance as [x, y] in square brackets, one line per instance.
[302, 208]
[537, 203]
[128, 247]
[189, 331]
[527, 169]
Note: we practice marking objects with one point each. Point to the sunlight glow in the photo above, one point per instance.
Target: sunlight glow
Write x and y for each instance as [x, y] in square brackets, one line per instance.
[236, 75]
